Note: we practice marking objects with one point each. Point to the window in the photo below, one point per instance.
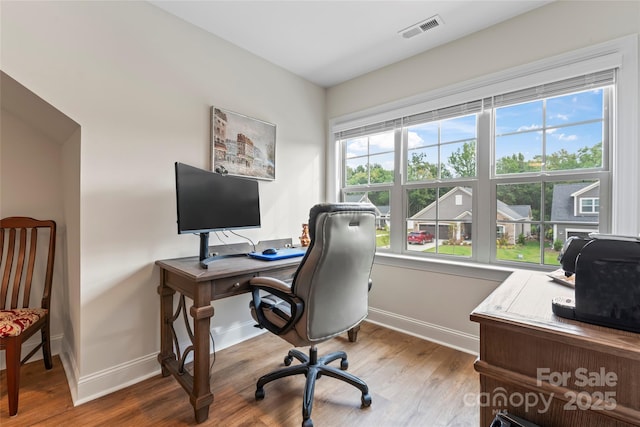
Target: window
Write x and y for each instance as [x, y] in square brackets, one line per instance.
[494, 175]
[369, 172]
[369, 159]
[550, 155]
[589, 205]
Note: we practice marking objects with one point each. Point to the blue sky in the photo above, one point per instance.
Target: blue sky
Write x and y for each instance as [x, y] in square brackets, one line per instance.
[519, 129]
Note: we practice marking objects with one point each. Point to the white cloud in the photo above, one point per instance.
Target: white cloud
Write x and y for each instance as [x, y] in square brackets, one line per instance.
[565, 137]
[414, 140]
[382, 140]
[530, 127]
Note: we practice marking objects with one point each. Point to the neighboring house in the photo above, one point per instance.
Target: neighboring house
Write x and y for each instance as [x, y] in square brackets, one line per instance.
[382, 212]
[513, 213]
[455, 215]
[575, 210]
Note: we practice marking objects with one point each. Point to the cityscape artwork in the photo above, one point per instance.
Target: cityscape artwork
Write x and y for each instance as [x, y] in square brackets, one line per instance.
[242, 145]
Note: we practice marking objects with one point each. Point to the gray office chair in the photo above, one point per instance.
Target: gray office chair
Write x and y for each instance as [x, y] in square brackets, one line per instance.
[328, 296]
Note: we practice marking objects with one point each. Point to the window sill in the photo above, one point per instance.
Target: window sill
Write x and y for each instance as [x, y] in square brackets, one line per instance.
[457, 268]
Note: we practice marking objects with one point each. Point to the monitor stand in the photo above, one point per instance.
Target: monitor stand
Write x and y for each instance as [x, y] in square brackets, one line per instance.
[209, 255]
[205, 256]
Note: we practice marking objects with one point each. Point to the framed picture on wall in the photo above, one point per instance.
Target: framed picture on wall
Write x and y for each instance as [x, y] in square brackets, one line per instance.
[242, 145]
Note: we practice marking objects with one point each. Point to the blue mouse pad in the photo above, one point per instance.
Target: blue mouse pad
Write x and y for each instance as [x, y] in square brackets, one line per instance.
[280, 254]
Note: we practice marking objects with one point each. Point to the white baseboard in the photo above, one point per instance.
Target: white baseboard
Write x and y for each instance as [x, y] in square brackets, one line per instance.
[462, 341]
[30, 344]
[107, 381]
[70, 369]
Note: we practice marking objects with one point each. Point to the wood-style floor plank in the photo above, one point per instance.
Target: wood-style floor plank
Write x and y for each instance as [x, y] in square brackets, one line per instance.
[412, 382]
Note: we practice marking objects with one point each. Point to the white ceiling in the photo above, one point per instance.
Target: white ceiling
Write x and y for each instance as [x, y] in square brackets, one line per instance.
[329, 42]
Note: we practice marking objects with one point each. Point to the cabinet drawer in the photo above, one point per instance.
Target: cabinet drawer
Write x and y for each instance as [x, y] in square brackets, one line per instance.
[231, 286]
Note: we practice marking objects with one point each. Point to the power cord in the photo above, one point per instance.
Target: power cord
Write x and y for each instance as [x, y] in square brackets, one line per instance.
[244, 237]
[213, 360]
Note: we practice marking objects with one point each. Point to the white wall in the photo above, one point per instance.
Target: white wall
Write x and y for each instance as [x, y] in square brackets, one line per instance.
[140, 83]
[431, 303]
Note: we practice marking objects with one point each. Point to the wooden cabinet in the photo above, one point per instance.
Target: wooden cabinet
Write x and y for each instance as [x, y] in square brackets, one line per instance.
[552, 371]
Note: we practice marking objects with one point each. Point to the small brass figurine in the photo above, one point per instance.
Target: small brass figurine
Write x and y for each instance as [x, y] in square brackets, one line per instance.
[305, 239]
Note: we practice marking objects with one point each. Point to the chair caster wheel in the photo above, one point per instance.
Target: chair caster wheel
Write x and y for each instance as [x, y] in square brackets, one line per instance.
[260, 394]
[344, 364]
[307, 423]
[366, 400]
[288, 360]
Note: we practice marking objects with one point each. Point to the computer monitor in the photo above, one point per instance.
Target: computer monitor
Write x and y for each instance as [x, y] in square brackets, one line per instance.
[208, 201]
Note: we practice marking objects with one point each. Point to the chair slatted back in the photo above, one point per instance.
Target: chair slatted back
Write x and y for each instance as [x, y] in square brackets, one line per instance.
[18, 250]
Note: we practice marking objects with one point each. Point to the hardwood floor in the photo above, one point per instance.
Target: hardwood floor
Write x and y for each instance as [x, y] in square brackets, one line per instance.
[412, 383]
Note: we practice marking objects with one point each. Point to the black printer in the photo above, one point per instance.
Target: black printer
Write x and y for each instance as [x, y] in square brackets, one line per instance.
[607, 281]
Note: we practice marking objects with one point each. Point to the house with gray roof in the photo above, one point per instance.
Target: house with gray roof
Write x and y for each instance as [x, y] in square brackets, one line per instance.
[575, 209]
[455, 215]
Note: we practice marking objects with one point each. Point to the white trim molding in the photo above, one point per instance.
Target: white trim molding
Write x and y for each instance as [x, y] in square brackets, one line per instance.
[457, 340]
[90, 387]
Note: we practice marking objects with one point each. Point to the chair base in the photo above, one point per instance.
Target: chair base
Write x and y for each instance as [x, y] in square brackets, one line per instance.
[313, 368]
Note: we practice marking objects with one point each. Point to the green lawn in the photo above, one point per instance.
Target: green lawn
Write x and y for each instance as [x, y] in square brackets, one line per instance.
[529, 252]
[382, 238]
[453, 250]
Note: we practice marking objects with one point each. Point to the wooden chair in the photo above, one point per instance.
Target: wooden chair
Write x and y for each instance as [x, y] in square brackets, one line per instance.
[19, 318]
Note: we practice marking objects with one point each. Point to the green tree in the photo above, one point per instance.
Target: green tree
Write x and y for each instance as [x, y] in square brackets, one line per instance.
[515, 163]
[362, 175]
[380, 175]
[379, 198]
[418, 169]
[420, 198]
[463, 161]
[585, 157]
[357, 176]
[530, 194]
[591, 157]
[521, 194]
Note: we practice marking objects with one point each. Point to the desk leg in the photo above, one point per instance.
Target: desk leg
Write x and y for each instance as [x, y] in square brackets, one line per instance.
[201, 311]
[353, 333]
[166, 319]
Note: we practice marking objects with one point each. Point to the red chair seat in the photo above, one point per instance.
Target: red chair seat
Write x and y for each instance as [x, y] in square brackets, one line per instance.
[14, 322]
[24, 264]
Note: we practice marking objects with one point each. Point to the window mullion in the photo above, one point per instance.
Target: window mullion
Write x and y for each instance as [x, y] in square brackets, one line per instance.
[397, 198]
[483, 243]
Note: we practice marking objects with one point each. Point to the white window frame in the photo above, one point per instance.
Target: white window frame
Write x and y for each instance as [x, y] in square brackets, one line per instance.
[625, 155]
[593, 205]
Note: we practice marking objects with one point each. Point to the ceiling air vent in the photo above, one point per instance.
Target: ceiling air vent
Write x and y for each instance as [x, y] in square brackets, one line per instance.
[421, 27]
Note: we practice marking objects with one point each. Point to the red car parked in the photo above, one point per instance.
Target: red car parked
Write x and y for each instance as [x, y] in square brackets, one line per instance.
[419, 237]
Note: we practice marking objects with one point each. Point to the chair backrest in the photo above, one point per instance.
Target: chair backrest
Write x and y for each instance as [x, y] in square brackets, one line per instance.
[20, 260]
[333, 277]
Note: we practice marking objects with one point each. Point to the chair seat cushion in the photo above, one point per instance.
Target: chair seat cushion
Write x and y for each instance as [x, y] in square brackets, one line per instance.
[16, 321]
[276, 310]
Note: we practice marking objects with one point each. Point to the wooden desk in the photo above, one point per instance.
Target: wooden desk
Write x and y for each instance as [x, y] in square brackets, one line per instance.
[224, 278]
[552, 371]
